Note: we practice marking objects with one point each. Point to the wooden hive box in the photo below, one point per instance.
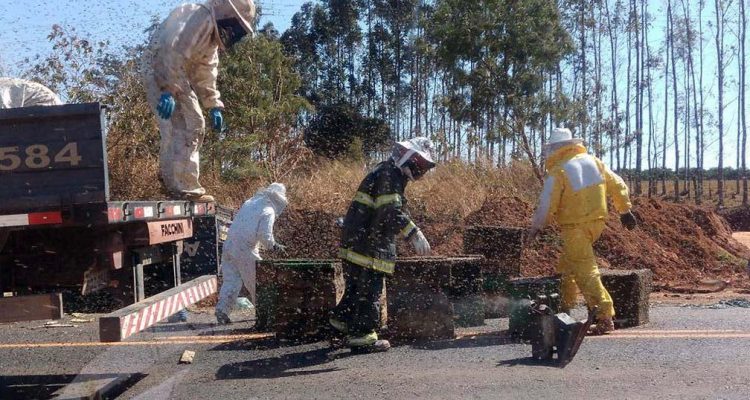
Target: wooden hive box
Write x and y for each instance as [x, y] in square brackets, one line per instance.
[630, 290]
[502, 248]
[295, 296]
[424, 294]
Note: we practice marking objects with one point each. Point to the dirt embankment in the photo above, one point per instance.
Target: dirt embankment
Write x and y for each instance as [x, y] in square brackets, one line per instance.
[682, 244]
[738, 218]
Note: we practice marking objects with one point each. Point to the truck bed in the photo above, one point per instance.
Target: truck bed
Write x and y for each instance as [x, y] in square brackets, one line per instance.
[53, 172]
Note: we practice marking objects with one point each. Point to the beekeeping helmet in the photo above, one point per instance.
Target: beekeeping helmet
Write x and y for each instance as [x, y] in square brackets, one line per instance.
[414, 156]
[235, 19]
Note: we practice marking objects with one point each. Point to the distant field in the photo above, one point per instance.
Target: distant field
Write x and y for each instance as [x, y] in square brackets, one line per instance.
[710, 191]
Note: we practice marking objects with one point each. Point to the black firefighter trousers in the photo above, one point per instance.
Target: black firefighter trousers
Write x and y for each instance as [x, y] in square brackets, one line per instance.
[360, 306]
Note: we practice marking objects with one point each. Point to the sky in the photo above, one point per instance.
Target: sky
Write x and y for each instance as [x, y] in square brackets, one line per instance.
[24, 25]
[24, 30]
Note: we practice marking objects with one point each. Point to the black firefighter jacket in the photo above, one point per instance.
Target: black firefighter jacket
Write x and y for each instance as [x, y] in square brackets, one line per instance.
[375, 218]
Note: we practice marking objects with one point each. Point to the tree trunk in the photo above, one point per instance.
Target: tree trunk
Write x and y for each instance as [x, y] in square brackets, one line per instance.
[743, 100]
[584, 67]
[720, 70]
[666, 113]
[674, 106]
[698, 183]
[615, 107]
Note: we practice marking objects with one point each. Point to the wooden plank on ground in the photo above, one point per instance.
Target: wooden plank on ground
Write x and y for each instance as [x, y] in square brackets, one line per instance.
[132, 319]
[31, 308]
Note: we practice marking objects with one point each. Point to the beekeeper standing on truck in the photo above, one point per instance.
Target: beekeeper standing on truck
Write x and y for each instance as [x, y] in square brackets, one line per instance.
[251, 230]
[22, 93]
[181, 67]
[575, 194]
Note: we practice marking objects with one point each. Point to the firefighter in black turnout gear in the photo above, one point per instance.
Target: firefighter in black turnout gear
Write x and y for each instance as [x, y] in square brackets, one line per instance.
[374, 221]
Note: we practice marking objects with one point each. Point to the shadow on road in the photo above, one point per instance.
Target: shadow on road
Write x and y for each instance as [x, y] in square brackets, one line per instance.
[248, 344]
[466, 342]
[278, 367]
[45, 386]
[529, 361]
[188, 326]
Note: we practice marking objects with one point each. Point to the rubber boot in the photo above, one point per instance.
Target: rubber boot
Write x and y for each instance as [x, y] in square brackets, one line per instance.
[222, 318]
[603, 326]
[199, 198]
[367, 344]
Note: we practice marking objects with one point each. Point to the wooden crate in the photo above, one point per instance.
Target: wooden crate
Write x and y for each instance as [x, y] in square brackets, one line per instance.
[295, 297]
[502, 247]
[425, 293]
[630, 290]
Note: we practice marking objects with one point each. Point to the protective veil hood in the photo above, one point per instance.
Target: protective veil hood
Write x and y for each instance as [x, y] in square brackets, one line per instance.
[241, 10]
[276, 194]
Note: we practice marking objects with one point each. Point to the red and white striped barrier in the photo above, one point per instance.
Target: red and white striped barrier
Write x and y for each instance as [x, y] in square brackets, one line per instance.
[38, 218]
[130, 320]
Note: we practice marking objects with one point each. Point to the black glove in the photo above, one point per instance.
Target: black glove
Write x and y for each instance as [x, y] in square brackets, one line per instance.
[628, 220]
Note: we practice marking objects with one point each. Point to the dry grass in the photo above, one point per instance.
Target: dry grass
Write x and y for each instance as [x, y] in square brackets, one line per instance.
[450, 192]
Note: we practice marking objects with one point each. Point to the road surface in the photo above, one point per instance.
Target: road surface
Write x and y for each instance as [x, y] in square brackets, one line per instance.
[686, 352]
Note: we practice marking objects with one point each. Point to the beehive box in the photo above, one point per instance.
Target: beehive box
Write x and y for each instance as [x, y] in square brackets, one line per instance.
[295, 296]
[428, 297]
[630, 290]
[502, 245]
[502, 248]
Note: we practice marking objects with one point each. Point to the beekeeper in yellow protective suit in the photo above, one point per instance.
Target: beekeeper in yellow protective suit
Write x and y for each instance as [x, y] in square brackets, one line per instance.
[575, 194]
[181, 67]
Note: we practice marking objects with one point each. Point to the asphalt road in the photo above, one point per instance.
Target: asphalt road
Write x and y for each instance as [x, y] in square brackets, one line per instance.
[684, 353]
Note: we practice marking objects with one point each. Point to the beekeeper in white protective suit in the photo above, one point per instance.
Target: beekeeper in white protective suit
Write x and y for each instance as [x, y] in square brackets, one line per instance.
[22, 93]
[251, 229]
[181, 67]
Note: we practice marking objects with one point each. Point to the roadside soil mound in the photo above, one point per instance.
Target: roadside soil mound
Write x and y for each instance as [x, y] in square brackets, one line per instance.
[683, 245]
[738, 218]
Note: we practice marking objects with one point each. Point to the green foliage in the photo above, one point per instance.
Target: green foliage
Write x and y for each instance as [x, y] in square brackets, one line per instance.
[500, 52]
[258, 86]
[340, 131]
[78, 69]
[322, 40]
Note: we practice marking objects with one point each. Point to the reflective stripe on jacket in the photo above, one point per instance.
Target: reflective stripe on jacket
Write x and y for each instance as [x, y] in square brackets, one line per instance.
[576, 188]
[375, 218]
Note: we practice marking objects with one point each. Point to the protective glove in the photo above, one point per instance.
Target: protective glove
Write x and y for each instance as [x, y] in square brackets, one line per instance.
[420, 243]
[166, 105]
[628, 220]
[217, 119]
[280, 248]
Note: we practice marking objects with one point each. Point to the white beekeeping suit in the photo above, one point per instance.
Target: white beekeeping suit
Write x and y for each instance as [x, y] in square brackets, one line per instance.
[181, 67]
[251, 229]
[22, 93]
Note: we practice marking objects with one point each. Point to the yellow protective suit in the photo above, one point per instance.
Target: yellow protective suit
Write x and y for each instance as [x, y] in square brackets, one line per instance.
[575, 194]
[183, 59]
